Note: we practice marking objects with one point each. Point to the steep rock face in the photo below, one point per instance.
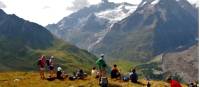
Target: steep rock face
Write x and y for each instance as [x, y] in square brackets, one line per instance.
[183, 62]
[155, 27]
[88, 26]
[135, 32]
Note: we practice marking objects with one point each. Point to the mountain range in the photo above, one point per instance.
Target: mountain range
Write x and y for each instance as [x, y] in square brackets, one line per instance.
[138, 33]
[22, 42]
[127, 31]
[121, 31]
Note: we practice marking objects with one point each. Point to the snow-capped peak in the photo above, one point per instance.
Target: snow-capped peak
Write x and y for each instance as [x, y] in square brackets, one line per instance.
[118, 13]
[194, 2]
[155, 2]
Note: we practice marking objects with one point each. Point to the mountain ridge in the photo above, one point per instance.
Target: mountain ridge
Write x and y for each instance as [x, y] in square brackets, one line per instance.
[22, 42]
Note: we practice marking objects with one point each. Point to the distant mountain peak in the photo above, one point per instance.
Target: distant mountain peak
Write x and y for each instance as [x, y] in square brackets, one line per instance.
[104, 1]
[2, 12]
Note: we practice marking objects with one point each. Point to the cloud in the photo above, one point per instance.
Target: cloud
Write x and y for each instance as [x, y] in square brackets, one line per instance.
[78, 4]
[46, 7]
[2, 5]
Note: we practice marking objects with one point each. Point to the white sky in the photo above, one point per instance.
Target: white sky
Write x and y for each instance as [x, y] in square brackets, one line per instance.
[45, 11]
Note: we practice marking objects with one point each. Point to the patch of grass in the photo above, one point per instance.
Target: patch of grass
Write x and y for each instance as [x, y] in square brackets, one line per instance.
[32, 79]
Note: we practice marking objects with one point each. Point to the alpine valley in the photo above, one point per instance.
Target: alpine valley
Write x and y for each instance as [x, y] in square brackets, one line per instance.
[136, 33]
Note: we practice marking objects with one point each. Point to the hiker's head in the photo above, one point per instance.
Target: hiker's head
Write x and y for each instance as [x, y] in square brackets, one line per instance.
[133, 70]
[102, 55]
[115, 65]
[94, 68]
[42, 56]
[80, 70]
[169, 79]
[52, 57]
[191, 83]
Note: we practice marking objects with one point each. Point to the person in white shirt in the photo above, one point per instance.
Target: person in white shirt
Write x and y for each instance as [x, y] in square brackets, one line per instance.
[94, 72]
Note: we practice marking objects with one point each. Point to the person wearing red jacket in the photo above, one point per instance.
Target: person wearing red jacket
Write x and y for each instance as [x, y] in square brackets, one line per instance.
[173, 83]
[41, 64]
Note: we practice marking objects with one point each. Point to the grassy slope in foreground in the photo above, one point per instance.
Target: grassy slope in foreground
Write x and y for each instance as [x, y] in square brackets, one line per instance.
[30, 79]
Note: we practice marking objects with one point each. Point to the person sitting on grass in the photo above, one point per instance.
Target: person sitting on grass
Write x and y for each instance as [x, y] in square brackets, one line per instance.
[94, 73]
[173, 83]
[133, 76]
[115, 72]
[80, 74]
[61, 74]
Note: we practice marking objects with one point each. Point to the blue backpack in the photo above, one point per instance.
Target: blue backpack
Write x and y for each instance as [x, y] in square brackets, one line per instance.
[125, 79]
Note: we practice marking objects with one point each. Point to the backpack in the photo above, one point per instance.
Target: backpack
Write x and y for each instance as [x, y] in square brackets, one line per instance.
[101, 63]
[72, 78]
[41, 63]
[103, 82]
[125, 79]
[51, 78]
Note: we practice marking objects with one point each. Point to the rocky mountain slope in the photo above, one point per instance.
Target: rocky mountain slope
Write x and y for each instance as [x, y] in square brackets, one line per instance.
[155, 27]
[22, 42]
[134, 32]
[88, 26]
[183, 62]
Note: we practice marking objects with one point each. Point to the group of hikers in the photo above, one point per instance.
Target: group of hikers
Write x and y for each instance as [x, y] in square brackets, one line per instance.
[99, 73]
[49, 64]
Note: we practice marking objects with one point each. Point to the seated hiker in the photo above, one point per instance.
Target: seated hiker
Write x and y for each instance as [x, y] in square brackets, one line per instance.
[192, 84]
[41, 64]
[148, 84]
[133, 76]
[173, 83]
[94, 72]
[60, 73]
[103, 81]
[196, 83]
[80, 74]
[115, 72]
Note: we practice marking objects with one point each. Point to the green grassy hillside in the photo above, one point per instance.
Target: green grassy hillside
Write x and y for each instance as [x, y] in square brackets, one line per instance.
[22, 42]
[66, 55]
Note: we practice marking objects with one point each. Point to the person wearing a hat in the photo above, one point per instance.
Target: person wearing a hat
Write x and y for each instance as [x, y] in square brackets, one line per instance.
[101, 65]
